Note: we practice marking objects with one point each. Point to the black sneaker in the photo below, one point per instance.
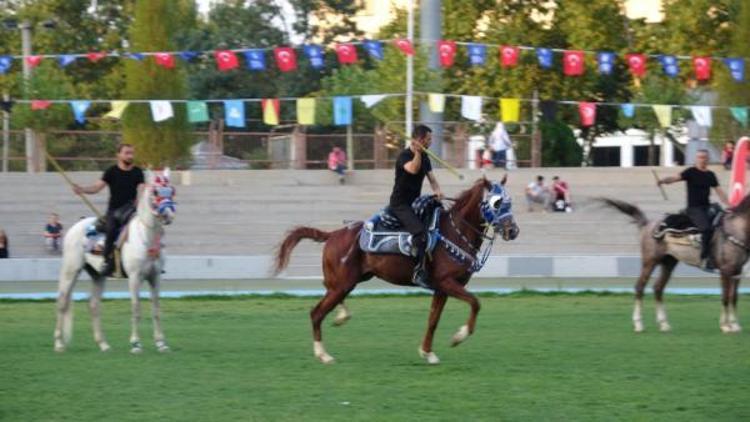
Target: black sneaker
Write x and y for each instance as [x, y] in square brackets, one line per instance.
[707, 264]
[420, 278]
[108, 269]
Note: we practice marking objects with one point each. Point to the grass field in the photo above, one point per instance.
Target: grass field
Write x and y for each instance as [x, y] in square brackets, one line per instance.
[551, 357]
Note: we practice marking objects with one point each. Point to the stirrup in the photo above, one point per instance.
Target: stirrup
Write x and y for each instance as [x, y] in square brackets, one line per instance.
[419, 278]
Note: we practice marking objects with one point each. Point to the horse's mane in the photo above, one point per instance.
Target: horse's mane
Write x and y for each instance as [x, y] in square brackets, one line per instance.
[743, 206]
[469, 195]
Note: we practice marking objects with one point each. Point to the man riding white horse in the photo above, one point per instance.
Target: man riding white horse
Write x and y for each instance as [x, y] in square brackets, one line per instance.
[125, 181]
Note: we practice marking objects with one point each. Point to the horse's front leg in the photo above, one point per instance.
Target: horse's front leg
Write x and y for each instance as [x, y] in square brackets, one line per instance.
[159, 341]
[438, 303]
[454, 289]
[134, 284]
[95, 303]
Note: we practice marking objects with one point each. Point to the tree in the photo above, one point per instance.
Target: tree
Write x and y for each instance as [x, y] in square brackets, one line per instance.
[155, 25]
[732, 93]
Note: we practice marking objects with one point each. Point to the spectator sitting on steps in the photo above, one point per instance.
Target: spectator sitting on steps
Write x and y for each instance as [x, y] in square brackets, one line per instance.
[337, 163]
[536, 192]
[53, 233]
[3, 244]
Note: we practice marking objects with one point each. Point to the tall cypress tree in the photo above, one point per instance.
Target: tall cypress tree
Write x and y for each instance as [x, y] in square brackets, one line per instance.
[154, 27]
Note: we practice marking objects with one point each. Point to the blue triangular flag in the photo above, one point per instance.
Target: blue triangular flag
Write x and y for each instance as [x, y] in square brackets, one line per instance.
[544, 55]
[670, 65]
[188, 55]
[374, 49]
[66, 59]
[477, 54]
[736, 67]
[342, 111]
[256, 59]
[628, 110]
[5, 63]
[314, 53]
[134, 56]
[606, 60]
[234, 113]
[79, 110]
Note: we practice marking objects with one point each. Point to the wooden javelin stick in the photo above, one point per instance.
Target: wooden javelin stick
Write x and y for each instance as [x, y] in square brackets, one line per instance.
[62, 173]
[661, 188]
[447, 166]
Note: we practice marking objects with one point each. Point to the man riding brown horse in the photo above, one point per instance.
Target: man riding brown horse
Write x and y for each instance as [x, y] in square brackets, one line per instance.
[412, 166]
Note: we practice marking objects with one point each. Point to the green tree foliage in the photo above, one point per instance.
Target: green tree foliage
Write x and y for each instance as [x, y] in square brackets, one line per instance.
[730, 92]
[559, 146]
[156, 24]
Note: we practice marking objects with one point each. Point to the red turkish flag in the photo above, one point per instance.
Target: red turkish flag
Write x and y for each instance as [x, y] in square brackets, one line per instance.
[405, 46]
[573, 63]
[637, 64]
[226, 60]
[587, 113]
[40, 104]
[95, 57]
[34, 61]
[446, 52]
[164, 60]
[347, 53]
[286, 58]
[508, 56]
[702, 66]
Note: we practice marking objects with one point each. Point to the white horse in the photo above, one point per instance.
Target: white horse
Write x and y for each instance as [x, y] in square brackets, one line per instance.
[141, 259]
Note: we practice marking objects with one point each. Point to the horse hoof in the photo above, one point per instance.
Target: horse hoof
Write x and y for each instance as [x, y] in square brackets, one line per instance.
[430, 357]
[320, 353]
[726, 329]
[736, 328]
[59, 349]
[664, 327]
[325, 358]
[104, 347]
[341, 320]
[461, 335]
[638, 326]
[136, 347]
[162, 347]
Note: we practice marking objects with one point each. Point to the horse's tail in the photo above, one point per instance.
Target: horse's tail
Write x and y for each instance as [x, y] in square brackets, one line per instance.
[639, 218]
[284, 250]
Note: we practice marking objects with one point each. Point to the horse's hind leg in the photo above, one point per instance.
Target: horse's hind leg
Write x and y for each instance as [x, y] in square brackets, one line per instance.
[332, 298]
[734, 322]
[64, 325]
[647, 267]
[134, 285]
[667, 266]
[425, 351]
[342, 316]
[95, 303]
[728, 321]
[159, 340]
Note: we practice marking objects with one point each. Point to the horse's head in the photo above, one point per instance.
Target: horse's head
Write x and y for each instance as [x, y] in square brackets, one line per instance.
[496, 209]
[160, 195]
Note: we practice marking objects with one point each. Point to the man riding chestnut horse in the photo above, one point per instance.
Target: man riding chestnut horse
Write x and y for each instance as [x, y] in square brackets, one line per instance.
[453, 241]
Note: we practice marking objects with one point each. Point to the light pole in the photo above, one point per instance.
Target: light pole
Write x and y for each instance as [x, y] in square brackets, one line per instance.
[409, 71]
[31, 151]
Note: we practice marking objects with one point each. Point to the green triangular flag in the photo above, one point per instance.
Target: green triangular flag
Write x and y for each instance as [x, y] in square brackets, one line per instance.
[740, 113]
[197, 111]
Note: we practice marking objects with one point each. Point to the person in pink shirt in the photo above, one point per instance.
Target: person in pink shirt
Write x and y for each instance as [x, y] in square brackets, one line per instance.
[337, 162]
[562, 193]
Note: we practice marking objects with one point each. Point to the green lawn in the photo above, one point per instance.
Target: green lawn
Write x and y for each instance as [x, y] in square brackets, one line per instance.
[552, 357]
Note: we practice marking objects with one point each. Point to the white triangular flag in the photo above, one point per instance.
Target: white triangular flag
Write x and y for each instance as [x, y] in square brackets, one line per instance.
[161, 110]
[471, 107]
[371, 100]
[702, 115]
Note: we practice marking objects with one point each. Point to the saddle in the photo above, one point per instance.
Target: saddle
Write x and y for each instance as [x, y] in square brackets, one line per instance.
[383, 233]
[97, 231]
[680, 228]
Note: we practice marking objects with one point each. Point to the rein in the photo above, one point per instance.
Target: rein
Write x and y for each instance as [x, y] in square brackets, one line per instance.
[477, 257]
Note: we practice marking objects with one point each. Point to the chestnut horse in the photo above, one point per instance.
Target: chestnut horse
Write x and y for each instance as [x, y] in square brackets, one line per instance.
[458, 254]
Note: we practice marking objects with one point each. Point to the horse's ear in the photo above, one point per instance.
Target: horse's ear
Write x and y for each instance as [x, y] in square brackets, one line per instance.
[165, 173]
[505, 179]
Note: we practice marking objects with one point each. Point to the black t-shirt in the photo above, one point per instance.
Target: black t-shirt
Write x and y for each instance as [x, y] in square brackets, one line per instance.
[699, 184]
[408, 186]
[123, 185]
[53, 228]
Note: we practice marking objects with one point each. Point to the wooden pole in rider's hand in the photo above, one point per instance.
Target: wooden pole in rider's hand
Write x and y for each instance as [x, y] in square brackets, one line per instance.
[661, 188]
[442, 162]
[60, 170]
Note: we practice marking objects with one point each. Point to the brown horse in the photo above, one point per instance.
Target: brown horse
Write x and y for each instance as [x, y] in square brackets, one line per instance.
[730, 251]
[463, 227]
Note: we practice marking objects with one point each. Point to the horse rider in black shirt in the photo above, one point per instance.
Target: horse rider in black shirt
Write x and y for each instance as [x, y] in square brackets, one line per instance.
[699, 181]
[412, 166]
[125, 182]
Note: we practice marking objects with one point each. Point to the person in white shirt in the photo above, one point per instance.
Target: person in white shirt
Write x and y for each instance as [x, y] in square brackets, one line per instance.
[537, 193]
[501, 143]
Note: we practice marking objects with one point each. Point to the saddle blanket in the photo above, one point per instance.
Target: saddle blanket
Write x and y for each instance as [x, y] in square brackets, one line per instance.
[381, 233]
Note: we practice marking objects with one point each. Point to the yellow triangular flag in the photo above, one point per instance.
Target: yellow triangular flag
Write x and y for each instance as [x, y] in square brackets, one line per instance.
[270, 111]
[510, 108]
[306, 111]
[118, 107]
[436, 102]
[664, 115]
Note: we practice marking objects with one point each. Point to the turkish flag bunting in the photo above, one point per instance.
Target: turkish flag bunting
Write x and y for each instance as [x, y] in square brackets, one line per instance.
[508, 56]
[95, 57]
[637, 64]
[34, 61]
[702, 66]
[587, 113]
[446, 52]
[405, 46]
[286, 58]
[40, 104]
[573, 63]
[226, 60]
[347, 53]
[164, 60]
